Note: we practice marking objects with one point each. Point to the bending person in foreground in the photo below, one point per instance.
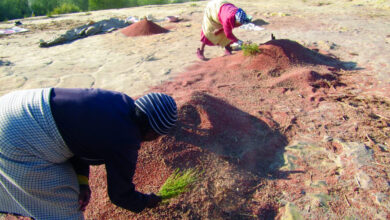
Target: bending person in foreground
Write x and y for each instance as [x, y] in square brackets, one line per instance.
[219, 20]
[49, 137]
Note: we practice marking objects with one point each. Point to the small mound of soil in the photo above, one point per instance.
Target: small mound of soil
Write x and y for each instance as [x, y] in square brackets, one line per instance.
[298, 54]
[276, 56]
[143, 28]
[301, 78]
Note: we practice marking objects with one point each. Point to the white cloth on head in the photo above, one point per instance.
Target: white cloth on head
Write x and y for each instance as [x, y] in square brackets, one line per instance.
[35, 178]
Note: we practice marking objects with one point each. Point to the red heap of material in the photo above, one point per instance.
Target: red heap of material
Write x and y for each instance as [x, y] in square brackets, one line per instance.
[142, 28]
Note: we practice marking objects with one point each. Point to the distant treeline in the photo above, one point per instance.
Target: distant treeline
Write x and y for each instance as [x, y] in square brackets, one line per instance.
[13, 9]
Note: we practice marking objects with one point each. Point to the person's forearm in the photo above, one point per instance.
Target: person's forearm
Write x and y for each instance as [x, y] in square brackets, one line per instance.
[230, 36]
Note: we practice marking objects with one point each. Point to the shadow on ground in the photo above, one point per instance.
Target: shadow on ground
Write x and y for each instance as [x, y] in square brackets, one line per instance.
[259, 22]
[234, 135]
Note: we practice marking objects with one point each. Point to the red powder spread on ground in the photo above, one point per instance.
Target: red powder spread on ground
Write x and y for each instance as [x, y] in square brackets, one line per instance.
[236, 115]
[142, 28]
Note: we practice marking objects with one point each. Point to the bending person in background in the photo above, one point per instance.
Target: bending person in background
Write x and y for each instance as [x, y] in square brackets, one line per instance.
[49, 137]
[219, 20]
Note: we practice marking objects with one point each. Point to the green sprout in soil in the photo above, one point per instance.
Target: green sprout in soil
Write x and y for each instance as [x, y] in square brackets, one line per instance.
[250, 49]
[178, 182]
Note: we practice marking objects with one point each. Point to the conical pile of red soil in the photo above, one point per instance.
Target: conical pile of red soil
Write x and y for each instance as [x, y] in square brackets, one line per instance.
[142, 28]
[278, 55]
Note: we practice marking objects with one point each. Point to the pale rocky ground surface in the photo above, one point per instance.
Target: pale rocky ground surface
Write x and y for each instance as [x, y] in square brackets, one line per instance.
[357, 32]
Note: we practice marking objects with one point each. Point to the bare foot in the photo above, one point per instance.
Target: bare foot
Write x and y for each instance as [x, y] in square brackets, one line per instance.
[200, 55]
[228, 50]
[227, 53]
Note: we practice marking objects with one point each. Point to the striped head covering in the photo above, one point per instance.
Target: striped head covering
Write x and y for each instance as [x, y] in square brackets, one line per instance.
[242, 17]
[160, 109]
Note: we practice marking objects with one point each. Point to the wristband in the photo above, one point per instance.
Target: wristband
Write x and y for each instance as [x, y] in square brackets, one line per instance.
[83, 180]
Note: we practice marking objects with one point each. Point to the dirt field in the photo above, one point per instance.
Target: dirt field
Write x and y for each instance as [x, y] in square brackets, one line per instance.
[297, 131]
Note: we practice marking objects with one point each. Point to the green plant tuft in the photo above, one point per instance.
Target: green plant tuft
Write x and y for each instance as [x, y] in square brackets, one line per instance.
[178, 182]
[250, 49]
[66, 8]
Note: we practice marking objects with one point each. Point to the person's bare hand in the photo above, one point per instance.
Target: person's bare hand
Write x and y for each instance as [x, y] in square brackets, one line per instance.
[84, 196]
